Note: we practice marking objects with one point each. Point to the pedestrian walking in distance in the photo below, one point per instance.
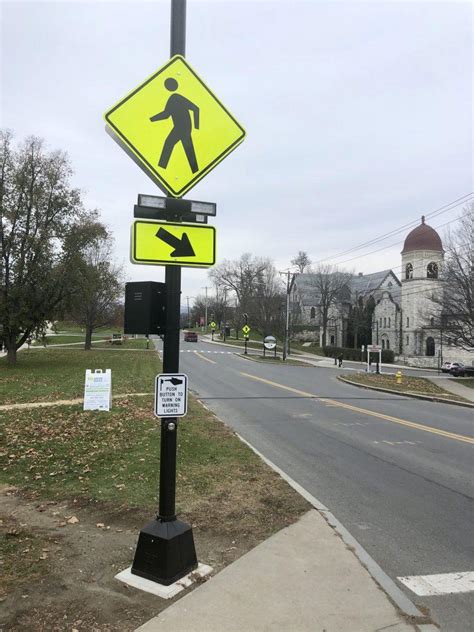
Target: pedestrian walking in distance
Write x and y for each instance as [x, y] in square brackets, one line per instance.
[340, 358]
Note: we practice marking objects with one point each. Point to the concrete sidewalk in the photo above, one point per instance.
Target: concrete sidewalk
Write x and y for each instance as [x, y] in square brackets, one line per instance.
[302, 579]
[316, 360]
[454, 385]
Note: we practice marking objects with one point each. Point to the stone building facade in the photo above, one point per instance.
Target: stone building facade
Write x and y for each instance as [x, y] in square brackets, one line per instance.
[398, 315]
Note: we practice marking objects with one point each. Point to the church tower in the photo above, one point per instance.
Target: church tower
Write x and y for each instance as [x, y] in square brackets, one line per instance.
[422, 260]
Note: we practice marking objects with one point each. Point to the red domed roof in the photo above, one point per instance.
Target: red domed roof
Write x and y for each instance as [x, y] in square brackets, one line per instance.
[423, 237]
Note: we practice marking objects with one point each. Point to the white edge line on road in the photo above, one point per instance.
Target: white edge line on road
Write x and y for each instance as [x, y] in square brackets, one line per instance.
[440, 584]
[394, 592]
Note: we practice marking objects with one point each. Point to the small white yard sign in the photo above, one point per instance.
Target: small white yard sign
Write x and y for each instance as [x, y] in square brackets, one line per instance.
[98, 390]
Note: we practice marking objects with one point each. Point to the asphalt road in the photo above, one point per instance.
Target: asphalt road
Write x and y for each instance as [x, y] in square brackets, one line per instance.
[397, 472]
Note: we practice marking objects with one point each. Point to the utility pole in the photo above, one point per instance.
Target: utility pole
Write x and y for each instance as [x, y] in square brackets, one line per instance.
[225, 306]
[189, 319]
[289, 287]
[205, 311]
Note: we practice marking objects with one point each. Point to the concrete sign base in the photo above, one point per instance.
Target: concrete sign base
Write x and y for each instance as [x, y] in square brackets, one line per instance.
[165, 592]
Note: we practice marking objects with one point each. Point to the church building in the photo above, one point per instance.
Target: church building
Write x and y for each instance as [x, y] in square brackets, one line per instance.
[379, 308]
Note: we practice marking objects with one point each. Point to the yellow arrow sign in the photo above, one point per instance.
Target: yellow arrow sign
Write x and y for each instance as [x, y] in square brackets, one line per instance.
[167, 244]
[175, 126]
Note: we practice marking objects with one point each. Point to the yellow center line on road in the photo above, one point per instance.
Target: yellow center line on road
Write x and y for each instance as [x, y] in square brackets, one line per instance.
[365, 411]
[204, 357]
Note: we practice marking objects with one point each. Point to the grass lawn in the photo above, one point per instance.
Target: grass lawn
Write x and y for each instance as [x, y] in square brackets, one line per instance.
[76, 487]
[278, 360]
[48, 374]
[114, 457]
[130, 343]
[298, 346]
[467, 381]
[418, 385]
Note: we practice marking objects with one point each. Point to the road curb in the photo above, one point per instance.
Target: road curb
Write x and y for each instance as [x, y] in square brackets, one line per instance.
[428, 398]
[397, 596]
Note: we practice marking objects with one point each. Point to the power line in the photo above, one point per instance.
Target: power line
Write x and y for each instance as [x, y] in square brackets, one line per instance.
[392, 245]
[443, 209]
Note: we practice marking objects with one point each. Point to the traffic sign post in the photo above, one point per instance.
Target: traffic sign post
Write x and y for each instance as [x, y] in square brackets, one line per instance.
[177, 131]
[165, 550]
[246, 331]
[213, 329]
[270, 344]
[374, 349]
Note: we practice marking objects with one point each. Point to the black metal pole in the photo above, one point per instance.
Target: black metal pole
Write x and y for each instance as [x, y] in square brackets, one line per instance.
[170, 365]
[169, 426]
[165, 550]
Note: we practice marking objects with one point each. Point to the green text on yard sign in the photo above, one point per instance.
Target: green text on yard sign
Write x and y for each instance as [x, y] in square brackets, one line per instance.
[175, 126]
[168, 243]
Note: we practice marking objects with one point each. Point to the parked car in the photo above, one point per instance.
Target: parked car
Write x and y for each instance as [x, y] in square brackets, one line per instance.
[446, 366]
[461, 370]
[190, 336]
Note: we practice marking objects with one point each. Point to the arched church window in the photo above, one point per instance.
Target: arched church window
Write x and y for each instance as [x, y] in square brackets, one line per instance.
[432, 321]
[389, 321]
[432, 270]
[383, 343]
[388, 343]
[313, 313]
[430, 346]
[409, 271]
[384, 321]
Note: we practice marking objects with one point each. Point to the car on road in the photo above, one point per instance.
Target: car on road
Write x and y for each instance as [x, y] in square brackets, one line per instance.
[461, 370]
[190, 336]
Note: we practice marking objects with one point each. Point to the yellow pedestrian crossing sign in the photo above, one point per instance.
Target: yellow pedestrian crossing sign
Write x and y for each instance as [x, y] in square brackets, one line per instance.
[213, 325]
[169, 243]
[176, 128]
[246, 329]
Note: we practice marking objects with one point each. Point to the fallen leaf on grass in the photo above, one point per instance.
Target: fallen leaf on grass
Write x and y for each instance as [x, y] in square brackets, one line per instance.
[73, 520]
[100, 525]
[13, 532]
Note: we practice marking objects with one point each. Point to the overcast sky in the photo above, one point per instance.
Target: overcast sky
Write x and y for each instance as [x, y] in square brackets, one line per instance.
[358, 115]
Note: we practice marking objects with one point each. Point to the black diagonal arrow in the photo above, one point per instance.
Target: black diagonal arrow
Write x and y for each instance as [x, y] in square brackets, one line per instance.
[182, 247]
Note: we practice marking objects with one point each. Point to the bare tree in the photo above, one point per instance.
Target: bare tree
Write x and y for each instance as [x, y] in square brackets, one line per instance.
[301, 261]
[98, 286]
[454, 303]
[330, 284]
[43, 230]
[256, 285]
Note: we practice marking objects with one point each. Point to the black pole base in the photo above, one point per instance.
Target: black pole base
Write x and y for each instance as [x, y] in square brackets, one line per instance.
[165, 552]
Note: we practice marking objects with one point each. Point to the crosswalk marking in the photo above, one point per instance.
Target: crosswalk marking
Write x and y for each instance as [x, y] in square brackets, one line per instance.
[441, 584]
[204, 351]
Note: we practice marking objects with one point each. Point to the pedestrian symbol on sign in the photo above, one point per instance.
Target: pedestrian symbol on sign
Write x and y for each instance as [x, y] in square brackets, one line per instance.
[178, 108]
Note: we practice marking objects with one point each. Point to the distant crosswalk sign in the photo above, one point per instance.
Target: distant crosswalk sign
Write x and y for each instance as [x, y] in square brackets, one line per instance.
[213, 325]
[175, 127]
[246, 329]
